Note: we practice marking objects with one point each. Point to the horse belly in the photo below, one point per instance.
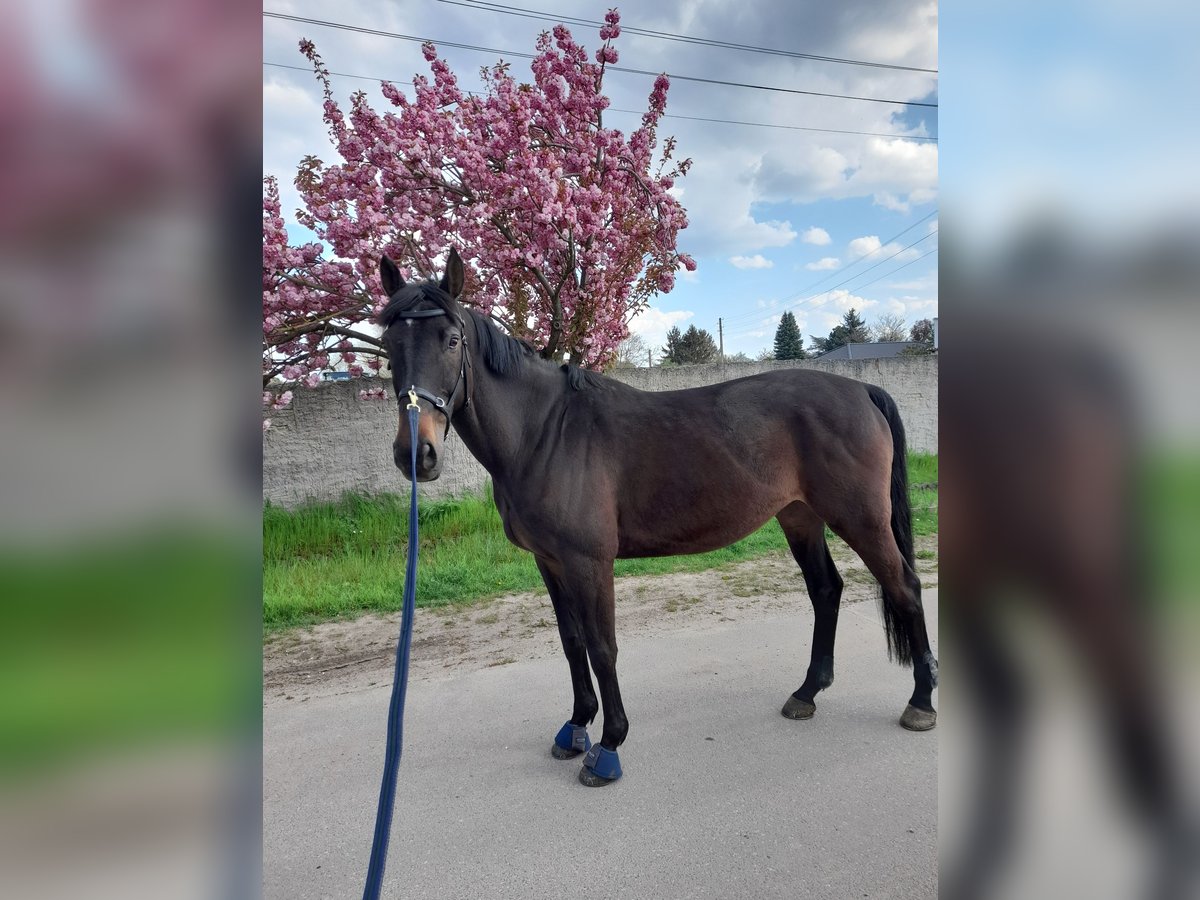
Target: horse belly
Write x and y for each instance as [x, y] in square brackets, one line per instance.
[697, 529]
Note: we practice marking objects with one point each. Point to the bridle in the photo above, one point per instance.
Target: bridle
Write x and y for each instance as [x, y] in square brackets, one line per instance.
[445, 405]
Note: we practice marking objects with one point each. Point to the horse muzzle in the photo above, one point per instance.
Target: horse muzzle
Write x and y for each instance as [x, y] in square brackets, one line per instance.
[429, 460]
[429, 449]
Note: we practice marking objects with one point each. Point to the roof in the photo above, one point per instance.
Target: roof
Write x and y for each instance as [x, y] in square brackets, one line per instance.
[874, 350]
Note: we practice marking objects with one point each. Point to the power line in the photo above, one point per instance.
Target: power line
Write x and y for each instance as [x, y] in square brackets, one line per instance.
[878, 264]
[911, 262]
[683, 38]
[811, 297]
[323, 23]
[882, 134]
[906, 137]
[841, 269]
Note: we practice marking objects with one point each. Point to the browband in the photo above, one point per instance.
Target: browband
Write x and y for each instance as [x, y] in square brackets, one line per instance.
[422, 314]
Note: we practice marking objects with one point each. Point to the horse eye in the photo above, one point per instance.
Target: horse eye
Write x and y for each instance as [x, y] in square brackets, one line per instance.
[453, 341]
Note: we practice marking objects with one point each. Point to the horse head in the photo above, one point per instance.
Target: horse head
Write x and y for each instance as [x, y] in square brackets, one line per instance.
[426, 340]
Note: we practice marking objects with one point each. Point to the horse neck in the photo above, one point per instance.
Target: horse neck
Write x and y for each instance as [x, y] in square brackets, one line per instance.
[506, 411]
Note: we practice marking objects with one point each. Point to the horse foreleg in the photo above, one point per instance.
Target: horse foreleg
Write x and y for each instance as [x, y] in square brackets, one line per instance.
[588, 590]
[572, 738]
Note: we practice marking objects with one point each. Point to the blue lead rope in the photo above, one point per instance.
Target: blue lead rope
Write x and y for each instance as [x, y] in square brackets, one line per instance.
[395, 726]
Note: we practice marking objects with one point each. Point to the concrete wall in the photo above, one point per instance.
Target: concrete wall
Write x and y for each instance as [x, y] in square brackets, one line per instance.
[328, 442]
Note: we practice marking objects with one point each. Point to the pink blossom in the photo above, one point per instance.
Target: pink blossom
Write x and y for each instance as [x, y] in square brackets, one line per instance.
[531, 188]
[282, 400]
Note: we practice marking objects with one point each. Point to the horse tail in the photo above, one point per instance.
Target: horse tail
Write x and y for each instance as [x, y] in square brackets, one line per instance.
[899, 638]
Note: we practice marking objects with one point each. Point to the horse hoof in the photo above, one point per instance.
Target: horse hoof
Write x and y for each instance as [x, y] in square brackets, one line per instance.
[601, 766]
[795, 708]
[591, 779]
[560, 753]
[918, 719]
[570, 741]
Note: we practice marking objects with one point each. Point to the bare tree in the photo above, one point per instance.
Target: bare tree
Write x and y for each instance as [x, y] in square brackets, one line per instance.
[631, 353]
[889, 327]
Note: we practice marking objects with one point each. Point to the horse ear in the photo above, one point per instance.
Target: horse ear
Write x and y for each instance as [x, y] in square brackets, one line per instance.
[452, 281]
[389, 275]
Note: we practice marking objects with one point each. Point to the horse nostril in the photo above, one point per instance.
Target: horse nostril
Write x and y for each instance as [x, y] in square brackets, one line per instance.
[426, 456]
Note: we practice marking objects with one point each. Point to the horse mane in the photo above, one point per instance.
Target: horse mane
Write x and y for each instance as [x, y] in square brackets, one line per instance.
[504, 354]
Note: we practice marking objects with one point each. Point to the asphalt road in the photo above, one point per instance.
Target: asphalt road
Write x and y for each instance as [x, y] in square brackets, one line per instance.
[722, 797]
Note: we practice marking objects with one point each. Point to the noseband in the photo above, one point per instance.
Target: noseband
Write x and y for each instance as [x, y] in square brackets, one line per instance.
[445, 405]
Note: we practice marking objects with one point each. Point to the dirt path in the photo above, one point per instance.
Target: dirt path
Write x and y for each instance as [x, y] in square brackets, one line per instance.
[347, 656]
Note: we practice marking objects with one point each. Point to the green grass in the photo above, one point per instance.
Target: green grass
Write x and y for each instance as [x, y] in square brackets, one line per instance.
[1171, 507]
[339, 559]
[125, 641]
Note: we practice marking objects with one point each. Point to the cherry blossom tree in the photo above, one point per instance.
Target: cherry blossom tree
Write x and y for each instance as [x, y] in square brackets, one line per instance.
[568, 227]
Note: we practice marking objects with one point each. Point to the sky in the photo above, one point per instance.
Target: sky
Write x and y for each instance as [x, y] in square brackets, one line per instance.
[781, 218]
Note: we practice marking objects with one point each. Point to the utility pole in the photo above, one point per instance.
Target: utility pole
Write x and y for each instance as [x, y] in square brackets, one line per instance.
[649, 358]
[721, 338]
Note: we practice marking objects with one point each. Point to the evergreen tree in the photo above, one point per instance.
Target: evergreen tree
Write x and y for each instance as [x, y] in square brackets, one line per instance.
[670, 353]
[789, 344]
[697, 346]
[692, 346]
[852, 330]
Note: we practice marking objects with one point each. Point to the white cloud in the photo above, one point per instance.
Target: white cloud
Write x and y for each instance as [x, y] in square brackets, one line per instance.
[817, 236]
[652, 324]
[824, 264]
[918, 306]
[871, 246]
[720, 200]
[894, 172]
[845, 301]
[757, 261]
[863, 246]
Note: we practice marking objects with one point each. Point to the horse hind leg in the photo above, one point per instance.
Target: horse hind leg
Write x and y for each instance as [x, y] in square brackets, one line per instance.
[805, 533]
[903, 613]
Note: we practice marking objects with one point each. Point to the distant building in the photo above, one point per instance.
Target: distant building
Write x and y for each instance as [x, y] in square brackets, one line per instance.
[335, 376]
[875, 350]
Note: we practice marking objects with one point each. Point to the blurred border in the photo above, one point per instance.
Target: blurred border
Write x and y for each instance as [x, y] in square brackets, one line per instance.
[130, 147]
[1070, 439]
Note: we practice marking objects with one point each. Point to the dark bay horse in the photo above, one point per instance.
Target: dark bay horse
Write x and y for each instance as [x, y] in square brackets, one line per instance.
[587, 470]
